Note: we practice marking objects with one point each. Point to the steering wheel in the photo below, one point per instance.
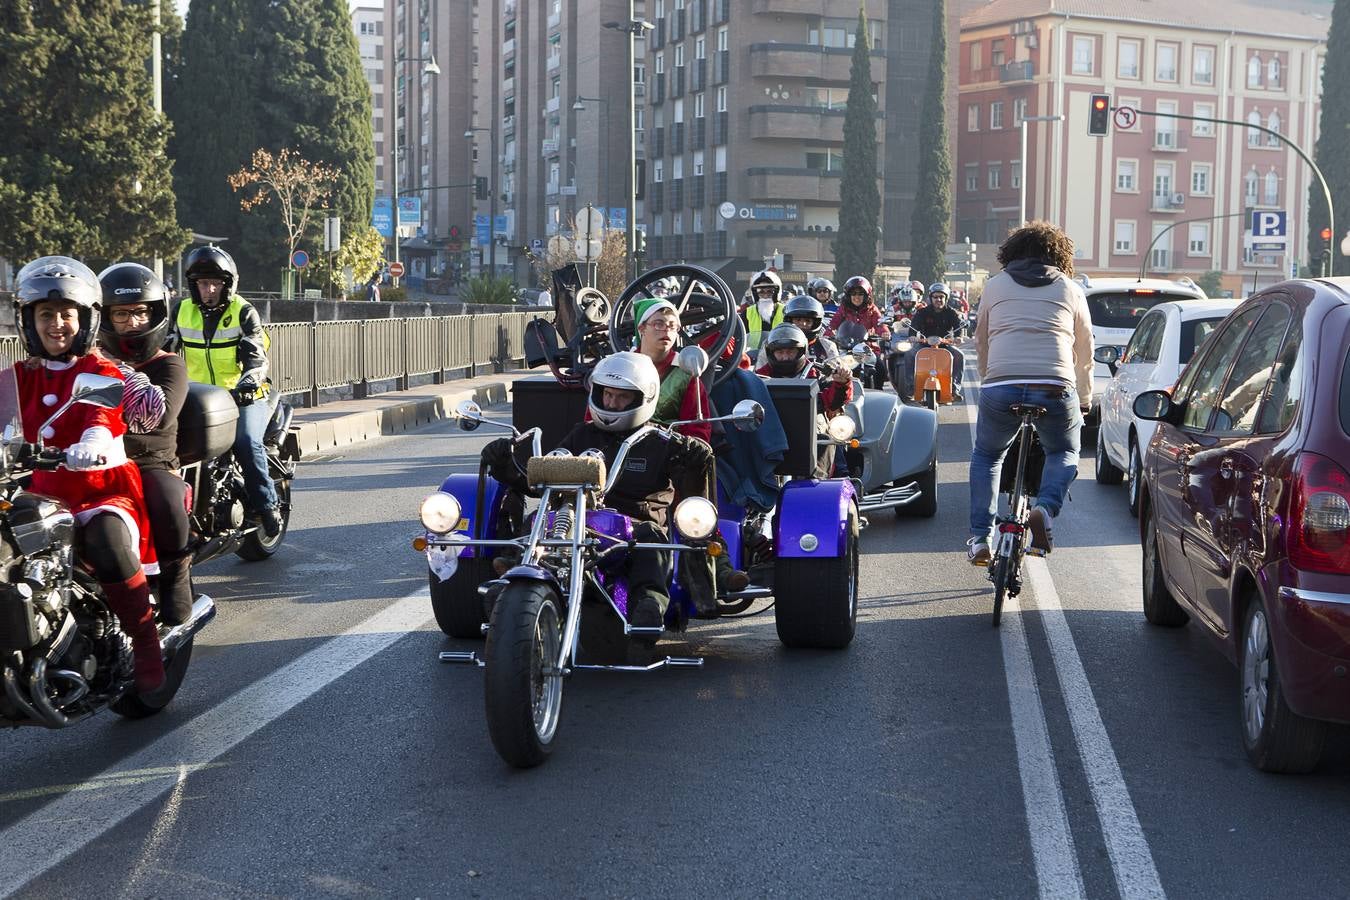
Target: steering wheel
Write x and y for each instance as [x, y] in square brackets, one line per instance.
[705, 305]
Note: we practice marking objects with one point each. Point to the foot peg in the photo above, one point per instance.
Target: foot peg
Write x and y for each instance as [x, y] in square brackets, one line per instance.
[465, 657]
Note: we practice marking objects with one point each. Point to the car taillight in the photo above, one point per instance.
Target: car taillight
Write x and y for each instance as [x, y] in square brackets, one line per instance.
[1319, 520]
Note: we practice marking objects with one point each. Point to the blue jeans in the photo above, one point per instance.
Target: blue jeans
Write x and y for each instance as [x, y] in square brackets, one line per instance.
[958, 365]
[248, 449]
[995, 430]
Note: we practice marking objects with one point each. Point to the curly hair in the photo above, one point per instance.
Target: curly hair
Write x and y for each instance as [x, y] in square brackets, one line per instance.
[1038, 240]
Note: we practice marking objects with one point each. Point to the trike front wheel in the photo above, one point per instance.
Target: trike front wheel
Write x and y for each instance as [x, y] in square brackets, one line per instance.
[522, 683]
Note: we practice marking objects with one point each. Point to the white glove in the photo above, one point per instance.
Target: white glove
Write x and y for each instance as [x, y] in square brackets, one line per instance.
[91, 450]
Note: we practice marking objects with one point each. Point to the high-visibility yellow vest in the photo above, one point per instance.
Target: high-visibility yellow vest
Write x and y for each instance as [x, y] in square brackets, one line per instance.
[754, 325]
[214, 361]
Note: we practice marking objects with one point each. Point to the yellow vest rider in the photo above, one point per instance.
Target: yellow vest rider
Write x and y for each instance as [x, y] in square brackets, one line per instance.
[764, 312]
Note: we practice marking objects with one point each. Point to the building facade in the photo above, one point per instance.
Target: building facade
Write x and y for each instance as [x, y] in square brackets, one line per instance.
[1168, 196]
[368, 22]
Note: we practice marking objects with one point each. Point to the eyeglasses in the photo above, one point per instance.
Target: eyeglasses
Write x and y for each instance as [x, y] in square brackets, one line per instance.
[128, 313]
[662, 326]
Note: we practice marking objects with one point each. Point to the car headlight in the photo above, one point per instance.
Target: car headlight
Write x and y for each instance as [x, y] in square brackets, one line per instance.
[696, 518]
[440, 513]
[841, 428]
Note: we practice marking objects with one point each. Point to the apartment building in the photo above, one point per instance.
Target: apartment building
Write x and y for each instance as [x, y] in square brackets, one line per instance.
[1170, 196]
[368, 23]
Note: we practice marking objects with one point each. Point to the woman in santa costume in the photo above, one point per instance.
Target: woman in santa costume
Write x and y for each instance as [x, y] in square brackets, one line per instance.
[58, 302]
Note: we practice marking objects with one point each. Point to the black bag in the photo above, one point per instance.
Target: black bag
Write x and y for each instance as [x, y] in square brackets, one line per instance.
[1035, 462]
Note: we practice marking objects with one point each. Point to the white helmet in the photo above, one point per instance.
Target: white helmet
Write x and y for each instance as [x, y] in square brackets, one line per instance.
[628, 372]
[767, 278]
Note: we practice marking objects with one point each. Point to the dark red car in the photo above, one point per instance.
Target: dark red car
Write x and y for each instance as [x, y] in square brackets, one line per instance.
[1245, 512]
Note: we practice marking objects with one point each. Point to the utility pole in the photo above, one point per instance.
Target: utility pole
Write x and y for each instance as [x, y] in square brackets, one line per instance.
[157, 82]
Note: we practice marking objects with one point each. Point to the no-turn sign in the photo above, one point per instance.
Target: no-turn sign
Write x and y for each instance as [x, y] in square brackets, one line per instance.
[1125, 117]
[396, 270]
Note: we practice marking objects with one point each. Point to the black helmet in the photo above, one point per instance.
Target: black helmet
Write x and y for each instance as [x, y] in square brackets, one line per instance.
[125, 284]
[782, 337]
[56, 278]
[210, 262]
[804, 305]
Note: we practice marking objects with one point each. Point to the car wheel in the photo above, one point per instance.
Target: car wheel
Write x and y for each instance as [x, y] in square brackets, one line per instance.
[1135, 476]
[1276, 738]
[1160, 607]
[1106, 471]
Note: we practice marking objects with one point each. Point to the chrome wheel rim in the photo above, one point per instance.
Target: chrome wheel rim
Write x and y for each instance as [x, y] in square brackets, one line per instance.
[1255, 676]
[1134, 474]
[545, 680]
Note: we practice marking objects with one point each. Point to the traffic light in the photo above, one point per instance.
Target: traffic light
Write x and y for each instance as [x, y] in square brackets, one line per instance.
[1099, 115]
[640, 243]
[1326, 252]
[454, 232]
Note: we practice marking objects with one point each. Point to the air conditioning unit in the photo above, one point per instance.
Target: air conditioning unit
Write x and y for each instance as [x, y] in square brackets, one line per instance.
[1032, 41]
[1178, 199]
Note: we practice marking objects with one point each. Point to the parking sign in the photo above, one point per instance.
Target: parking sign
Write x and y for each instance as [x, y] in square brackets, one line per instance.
[1268, 224]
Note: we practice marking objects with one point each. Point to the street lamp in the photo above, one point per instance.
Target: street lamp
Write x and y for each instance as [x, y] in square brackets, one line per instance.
[492, 196]
[1022, 161]
[429, 67]
[635, 28]
[580, 106]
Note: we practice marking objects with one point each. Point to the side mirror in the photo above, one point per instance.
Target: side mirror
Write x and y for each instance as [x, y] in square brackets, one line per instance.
[1107, 355]
[693, 360]
[1155, 406]
[748, 415]
[469, 414]
[97, 390]
[860, 349]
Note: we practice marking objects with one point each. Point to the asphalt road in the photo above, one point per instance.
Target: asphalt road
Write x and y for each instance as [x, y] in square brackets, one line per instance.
[318, 748]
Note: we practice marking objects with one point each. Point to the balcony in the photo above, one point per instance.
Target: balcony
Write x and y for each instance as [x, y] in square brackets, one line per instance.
[1019, 70]
[551, 188]
[658, 142]
[656, 38]
[656, 197]
[797, 123]
[721, 11]
[791, 7]
[773, 60]
[554, 18]
[677, 83]
[659, 89]
[677, 139]
[548, 148]
[699, 79]
[508, 47]
[698, 15]
[719, 191]
[677, 25]
[676, 194]
[698, 136]
[792, 184]
[509, 86]
[1168, 203]
[508, 124]
[554, 62]
[698, 192]
[721, 124]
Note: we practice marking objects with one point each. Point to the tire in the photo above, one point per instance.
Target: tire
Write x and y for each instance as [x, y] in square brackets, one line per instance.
[1001, 566]
[1135, 474]
[1106, 471]
[926, 506]
[930, 399]
[141, 706]
[455, 601]
[258, 546]
[1276, 738]
[816, 600]
[1160, 607]
[523, 704]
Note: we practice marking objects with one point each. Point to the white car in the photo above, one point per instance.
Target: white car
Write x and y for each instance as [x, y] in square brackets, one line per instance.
[1117, 305]
[1167, 337]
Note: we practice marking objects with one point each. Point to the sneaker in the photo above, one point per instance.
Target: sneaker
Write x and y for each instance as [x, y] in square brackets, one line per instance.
[1042, 537]
[737, 581]
[977, 551]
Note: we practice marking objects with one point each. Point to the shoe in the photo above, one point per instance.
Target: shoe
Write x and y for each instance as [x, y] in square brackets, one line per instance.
[271, 521]
[977, 551]
[1042, 537]
[646, 612]
[737, 582]
[958, 395]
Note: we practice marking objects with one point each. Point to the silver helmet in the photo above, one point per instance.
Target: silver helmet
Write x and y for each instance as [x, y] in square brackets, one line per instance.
[63, 279]
[628, 372]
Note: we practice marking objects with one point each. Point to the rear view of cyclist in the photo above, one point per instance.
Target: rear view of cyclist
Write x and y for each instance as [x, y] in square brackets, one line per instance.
[1034, 340]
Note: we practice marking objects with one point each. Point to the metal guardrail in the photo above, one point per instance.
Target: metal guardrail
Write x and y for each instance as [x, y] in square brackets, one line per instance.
[308, 357]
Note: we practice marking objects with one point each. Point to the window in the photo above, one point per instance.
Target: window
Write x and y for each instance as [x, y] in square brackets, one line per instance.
[660, 64]
[997, 55]
[995, 115]
[698, 106]
[701, 48]
[976, 56]
[1127, 175]
[1019, 111]
[1162, 185]
[1127, 61]
[698, 162]
[1203, 129]
[679, 56]
[1015, 175]
[1272, 192]
[1197, 242]
[973, 117]
[1254, 136]
[1277, 413]
[1165, 61]
[677, 168]
[1124, 237]
[1166, 135]
[1202, 388]
[1145, 344]
[1249, 187]
[1273, 123]
[1200, 178]
[1084, 55]
[995, 176]
[1202, 65]
[1273, 73]
[1254, 72]
[1246, 384]
[658, 171]
[722, 99]
[677, 113]
[972, 177]
[723, 39]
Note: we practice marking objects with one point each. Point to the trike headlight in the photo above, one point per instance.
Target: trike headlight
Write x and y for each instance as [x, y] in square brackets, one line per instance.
[440, 513]
[841, 428]
[696, 518]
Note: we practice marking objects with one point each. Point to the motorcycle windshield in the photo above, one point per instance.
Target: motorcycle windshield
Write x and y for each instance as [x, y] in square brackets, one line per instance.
[11, 419]
[850, 333]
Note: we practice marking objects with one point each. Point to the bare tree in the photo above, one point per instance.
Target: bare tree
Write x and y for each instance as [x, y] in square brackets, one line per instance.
[297, 185]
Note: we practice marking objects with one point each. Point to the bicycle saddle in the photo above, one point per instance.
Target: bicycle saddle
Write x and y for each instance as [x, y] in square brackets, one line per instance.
[1028, 409]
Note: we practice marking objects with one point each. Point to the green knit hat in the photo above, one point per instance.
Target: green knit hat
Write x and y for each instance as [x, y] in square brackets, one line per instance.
[646, 308]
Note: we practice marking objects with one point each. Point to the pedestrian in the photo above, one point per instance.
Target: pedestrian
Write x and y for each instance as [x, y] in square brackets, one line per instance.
[1034, 346]
[373, 288]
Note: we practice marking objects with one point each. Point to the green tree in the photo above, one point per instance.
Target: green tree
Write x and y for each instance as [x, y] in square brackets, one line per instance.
[855, 250]
[1332, 152]
[1211, 283]
[83, 167]
[931, 218]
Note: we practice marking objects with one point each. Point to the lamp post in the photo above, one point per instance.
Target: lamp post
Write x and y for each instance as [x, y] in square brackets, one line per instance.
[602, 159]
[635, 28]
[1022, 161]
[492, 196]
[429, 68]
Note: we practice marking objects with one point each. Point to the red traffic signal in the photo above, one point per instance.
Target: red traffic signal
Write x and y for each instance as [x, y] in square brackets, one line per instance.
[1099, 115]
[1326, 234]
[454, 231]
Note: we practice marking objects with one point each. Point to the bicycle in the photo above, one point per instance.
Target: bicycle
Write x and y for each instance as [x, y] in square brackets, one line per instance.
[1005, 565]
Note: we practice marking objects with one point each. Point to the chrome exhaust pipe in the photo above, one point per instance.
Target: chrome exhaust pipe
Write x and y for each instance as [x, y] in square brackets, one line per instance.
[18, 699]
[203, 611]
[37, 692]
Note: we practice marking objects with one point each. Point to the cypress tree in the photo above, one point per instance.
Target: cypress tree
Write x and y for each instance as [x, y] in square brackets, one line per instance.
[931, 219]
[1332, 152]
[83, 169]
[855, 250]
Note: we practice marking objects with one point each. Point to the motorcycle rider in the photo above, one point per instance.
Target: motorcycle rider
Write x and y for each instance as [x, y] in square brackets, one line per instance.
[938, 320]
[807, 313]
[133, 328]
[899, 364]
[822, 289]
[788, 357]
[859, 313]
[224, 344]
[624, 389]
[764, 312]
[57, 300]
[682, 396]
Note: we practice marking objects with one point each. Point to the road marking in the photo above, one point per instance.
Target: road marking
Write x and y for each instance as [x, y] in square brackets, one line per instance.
[44, 839]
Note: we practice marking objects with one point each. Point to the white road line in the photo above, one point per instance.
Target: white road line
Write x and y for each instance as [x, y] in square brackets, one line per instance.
[47, 837]
[1131, 859]
[1052, 849]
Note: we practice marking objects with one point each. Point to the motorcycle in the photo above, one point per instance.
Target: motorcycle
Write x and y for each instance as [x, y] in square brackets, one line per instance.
[206, 431]
[868, 349]
[934, 362]
[63, 654]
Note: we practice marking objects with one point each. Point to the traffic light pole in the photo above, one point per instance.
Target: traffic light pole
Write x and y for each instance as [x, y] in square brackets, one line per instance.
[1326, 192]
[1143, 263]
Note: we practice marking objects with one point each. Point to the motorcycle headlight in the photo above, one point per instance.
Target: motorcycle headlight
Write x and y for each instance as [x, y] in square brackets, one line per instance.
[841, 428]
[696, 518]
[440, 513]
[903, 346]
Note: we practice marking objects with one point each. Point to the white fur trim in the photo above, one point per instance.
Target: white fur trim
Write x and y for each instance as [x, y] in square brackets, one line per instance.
[84, 515]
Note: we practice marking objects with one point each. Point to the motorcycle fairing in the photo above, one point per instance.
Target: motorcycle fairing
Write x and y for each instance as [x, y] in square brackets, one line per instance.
[818, 508]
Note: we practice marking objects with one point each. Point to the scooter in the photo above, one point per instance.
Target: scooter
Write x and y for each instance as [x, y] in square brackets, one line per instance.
[935, 363]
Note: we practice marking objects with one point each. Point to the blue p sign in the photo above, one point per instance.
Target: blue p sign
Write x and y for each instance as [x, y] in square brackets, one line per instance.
[1268, 223]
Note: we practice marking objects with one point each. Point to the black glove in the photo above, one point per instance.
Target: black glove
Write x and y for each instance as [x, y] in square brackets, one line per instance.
[499, 455]
[245, 390]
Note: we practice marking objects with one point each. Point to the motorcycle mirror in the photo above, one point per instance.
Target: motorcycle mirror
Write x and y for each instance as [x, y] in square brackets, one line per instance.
[469, 415]
[859, 348]
[97, 390]
[692, 360]
[748, 415]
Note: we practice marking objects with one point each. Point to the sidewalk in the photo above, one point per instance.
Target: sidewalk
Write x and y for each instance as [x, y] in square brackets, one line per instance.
[344, 422]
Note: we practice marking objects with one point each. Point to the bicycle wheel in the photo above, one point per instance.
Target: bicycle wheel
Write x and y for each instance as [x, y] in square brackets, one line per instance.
[1001, 567]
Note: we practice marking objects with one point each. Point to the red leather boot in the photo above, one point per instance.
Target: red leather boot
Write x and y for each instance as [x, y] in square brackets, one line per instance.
[130, 601]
